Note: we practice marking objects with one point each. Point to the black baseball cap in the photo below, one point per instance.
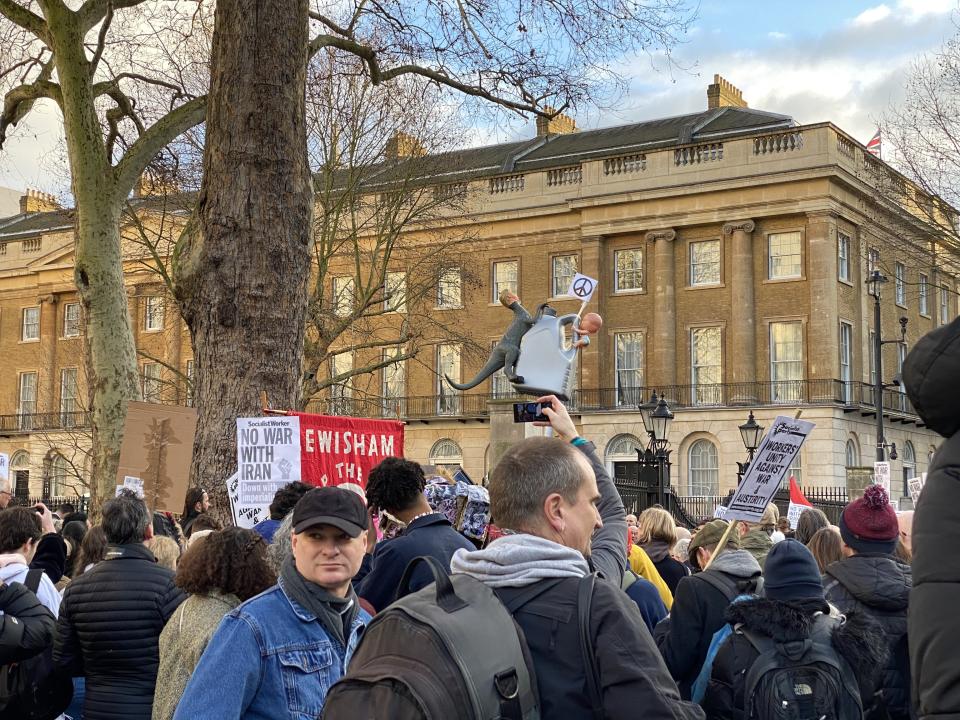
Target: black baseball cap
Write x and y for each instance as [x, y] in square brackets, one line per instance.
[331, 506]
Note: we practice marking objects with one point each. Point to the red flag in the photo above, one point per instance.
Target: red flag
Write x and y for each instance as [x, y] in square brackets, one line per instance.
[798, 503]
[336, 450]
[796, 494]
[873, 146]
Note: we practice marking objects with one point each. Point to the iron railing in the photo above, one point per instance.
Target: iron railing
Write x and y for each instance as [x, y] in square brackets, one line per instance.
[831, 500]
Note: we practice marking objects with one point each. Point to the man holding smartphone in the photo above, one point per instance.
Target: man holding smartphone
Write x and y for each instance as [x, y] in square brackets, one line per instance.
[564, 520]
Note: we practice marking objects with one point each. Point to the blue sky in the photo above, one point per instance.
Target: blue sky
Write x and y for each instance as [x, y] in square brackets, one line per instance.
[843, 61]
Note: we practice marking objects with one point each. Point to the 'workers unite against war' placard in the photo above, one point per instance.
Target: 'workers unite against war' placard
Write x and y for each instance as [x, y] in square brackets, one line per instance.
[774, 457]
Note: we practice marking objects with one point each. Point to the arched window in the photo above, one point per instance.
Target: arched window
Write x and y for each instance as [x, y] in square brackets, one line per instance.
[58, 476]
[852, 454]
[703, 477]
[909, 456]
[446, 453]
[20, 460]
[623, 448]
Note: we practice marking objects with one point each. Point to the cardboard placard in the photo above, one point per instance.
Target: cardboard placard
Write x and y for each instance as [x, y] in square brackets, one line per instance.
[4, 467]
[770, 465]
[157, 449]
[582, 287]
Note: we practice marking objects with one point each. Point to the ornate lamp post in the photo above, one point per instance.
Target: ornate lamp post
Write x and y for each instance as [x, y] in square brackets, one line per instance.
[750, 432]
[657, 418]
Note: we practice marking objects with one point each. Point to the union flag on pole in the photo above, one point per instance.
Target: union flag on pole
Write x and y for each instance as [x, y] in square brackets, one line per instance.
[873, 146]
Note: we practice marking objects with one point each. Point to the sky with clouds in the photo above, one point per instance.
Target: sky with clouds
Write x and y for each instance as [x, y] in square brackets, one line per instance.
[843, 61]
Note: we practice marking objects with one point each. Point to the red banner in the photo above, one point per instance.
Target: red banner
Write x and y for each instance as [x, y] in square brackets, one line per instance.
[337, 450]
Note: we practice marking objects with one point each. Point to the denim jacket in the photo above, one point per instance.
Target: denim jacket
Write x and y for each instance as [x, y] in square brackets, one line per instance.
[268, 654]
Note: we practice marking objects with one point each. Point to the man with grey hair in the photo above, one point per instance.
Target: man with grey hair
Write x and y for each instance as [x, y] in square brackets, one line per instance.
[111, 617]
[564, 519]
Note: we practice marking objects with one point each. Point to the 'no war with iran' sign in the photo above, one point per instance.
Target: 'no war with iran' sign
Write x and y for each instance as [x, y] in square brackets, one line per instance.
[773, 459]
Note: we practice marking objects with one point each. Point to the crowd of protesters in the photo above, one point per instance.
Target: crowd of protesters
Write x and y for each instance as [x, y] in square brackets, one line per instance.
[579, 610]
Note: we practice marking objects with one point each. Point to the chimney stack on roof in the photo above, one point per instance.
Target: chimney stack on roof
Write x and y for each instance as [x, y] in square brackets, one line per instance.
[559, 124]
[403, 145]
[35, 201]
[723, 94]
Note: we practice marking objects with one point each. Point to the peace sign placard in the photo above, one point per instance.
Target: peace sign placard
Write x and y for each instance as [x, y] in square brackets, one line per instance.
[582, 287]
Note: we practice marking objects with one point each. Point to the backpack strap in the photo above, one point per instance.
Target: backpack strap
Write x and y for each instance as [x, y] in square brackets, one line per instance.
[32, 581]
[719, 582]
[584, 602]
[447, 598]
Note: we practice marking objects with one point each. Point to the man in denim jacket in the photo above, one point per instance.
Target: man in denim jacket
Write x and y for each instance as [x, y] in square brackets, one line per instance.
[276, 655]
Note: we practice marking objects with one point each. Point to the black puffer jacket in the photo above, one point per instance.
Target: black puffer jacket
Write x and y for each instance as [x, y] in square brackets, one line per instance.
[26, 626]
[931, 373]
[859, 641]
[878, 585]
[110, 623]
[697, 613]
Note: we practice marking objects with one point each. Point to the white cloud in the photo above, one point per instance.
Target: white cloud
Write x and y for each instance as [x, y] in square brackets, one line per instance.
[777, 35]
[872, 15]
[916, 9]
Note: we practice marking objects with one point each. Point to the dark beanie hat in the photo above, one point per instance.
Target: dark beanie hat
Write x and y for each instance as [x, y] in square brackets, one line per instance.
[791, 573]
[869, 524]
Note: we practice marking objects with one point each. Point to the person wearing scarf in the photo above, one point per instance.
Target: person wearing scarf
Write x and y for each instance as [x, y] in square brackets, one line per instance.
[299, 634]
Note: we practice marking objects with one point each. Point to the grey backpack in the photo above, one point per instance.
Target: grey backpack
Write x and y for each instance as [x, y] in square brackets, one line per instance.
[449, 650]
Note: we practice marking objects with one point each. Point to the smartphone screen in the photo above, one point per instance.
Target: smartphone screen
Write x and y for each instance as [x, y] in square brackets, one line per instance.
[529, 412]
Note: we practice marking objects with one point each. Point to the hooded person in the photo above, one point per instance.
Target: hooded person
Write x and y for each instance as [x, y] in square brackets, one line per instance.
[792, 603]
[566, 520]
[930, 375]
[702, 599]
[869, 579]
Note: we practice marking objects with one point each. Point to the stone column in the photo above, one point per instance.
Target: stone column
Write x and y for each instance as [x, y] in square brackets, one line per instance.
[49, 333]
[592, 256]
[742, 356]
[823, 356]
[663, 343]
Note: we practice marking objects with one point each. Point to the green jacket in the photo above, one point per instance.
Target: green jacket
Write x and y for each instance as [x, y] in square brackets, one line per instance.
[182, 642]
[758, 544]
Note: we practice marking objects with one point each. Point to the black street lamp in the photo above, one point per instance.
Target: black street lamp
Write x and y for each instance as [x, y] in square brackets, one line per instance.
[750, 432]
[657, 418]
[874, 281]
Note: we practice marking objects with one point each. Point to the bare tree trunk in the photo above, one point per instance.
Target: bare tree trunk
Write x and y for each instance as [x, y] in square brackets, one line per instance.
[241, 272]
[98, 268]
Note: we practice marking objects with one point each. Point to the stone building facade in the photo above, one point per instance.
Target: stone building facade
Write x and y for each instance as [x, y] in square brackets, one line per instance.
[731, 248]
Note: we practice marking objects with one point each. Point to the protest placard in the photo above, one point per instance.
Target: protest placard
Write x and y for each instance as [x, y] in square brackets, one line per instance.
[582, 287]
[720, 512]
[133, 483]
[157, 449]
[4, 467]
[268, 457]
[915, 485]
[773, 459]
[798, 503]
[245, 516]
[340, 450]
[881, 475]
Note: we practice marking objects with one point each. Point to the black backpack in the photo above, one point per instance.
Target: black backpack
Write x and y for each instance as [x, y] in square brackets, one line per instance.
[34, 689]
[801, 679]
[449, 650]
